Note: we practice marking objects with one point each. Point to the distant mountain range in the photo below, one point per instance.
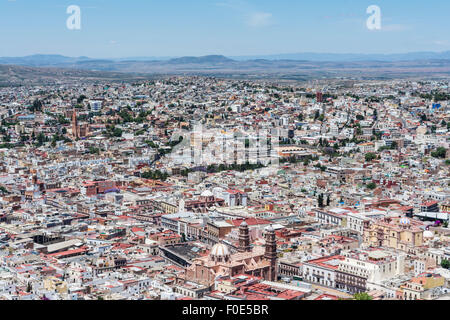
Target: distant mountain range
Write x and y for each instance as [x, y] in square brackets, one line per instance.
[53, 60]
[283, 66]
[201, 60]
[59, 60]
[13, 75]
[348, 57]
[41, 60]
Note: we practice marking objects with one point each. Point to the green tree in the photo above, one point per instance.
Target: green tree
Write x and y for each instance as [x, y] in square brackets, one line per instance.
[81, 98]
[372, 186]
[23, 137]
[320, 201]
[316, 115]
[93, 150]
[362, 296]
[117, 132]
[41, 138]
[433, 129]
[445, 264]
[321, 118]
[359, 131]
[36, 106]
[440, 153]
[370, 156]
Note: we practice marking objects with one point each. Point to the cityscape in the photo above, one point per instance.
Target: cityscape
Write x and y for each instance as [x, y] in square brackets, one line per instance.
[225, 178]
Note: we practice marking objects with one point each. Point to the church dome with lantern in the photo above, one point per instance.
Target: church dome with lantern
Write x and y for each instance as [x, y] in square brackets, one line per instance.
[220, 253]
[428, 235]
[207, 194]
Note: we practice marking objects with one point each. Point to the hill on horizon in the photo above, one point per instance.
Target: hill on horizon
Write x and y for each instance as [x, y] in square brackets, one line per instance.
[57, 59]
[286, 67]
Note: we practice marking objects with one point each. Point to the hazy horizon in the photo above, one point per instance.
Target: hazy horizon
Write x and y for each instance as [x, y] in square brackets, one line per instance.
[234, 56]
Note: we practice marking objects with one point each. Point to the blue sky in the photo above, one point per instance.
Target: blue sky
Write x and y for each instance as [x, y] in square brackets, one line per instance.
[132, 28]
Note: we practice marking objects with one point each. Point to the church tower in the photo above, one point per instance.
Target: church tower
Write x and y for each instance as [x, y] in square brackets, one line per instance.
[75, 129]
[244, 238]
[271, 252]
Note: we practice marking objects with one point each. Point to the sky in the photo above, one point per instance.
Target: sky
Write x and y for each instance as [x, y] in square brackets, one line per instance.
[157, 28]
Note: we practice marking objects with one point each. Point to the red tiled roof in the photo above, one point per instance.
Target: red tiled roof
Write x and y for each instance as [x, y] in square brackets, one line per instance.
[322, 262]
[68, 252]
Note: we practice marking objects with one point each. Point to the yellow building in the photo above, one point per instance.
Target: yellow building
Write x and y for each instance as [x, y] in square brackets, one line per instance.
[168, 207]
[55, 285]
[420, 287]
[397, 233]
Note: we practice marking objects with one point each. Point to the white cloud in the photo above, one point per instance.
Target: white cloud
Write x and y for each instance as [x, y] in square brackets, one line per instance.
[259, 19]
[442, 42]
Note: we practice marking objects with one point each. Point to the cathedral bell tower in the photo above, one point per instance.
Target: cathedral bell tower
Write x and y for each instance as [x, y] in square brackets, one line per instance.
[244, 238]
[75, 128]
[271, 252]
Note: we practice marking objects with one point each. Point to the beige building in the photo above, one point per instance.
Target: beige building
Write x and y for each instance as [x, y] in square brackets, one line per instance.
[55, 285]
[421, 287]
[397, 233]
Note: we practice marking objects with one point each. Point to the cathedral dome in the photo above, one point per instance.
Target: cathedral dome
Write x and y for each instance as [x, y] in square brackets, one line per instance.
[220, 253]
[428, 235]
[207, 194]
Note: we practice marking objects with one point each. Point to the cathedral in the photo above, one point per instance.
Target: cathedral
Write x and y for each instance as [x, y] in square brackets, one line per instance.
[78, 130]
[257, 261]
